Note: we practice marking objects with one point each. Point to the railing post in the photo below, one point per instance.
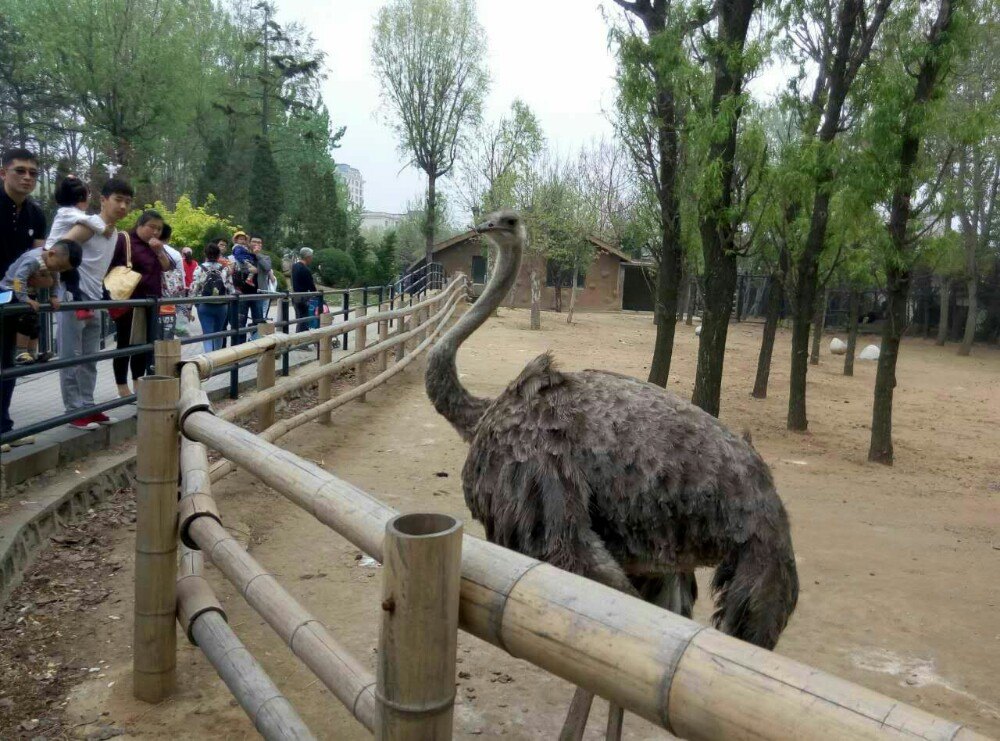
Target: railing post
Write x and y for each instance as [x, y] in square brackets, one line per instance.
[233, 312]
[401, 329]
[383, 337]
[166, 357]
[360, 370]
[154, 645]
[418, 636]
[347, 314]
[392, 299]
[286, 328]
[265, 380]
[325, 358]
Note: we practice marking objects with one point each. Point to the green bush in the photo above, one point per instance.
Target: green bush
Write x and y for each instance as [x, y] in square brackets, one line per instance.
[192, 225]
[335, 268]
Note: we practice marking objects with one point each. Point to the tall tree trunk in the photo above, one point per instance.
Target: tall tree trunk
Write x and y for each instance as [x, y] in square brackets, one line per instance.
[852, 332]
[819, 322]
[536, 301]
[739, 297]
[970, 319]
[431, 216]
[942, 333]
[928, 78]
[775, 290]
[880, 450]
[572, 294]
[692, 289]
[667, 284]
[717, 228]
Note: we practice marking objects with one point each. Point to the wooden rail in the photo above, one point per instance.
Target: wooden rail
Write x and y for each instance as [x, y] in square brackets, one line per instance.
[689, 679]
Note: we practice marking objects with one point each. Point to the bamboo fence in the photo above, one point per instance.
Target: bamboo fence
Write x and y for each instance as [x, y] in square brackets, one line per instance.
[689, 679]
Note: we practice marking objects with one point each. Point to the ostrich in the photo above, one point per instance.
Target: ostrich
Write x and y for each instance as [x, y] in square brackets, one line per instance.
[617, 480]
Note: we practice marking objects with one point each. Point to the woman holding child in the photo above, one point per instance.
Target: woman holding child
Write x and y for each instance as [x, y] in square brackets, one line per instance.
[142, 251]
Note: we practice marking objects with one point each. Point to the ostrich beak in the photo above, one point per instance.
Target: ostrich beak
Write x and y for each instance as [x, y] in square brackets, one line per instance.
[486, 226]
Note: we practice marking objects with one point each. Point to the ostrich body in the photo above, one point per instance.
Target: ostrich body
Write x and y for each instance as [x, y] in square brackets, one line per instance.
[617, 480]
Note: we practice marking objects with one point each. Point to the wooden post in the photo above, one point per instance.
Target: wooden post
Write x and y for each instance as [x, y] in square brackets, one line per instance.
[401, 329]
[167, 356]
[360, 370]
[325, 358]
[419, 630]
[154, 646]
[383, 335]
[265, 380]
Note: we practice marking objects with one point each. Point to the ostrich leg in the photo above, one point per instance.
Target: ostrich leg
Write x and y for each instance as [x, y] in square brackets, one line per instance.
[674, 592]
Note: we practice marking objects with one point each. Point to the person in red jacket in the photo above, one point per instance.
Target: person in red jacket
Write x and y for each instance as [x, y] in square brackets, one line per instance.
[189, 265]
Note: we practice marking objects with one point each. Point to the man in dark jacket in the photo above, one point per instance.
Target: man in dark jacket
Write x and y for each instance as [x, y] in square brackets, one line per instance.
[302, 282]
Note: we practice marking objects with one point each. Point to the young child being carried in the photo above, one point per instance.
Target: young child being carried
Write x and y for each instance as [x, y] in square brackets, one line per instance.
[33, 272]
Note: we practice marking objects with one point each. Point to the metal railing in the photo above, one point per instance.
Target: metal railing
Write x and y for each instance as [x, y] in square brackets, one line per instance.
[340, 303]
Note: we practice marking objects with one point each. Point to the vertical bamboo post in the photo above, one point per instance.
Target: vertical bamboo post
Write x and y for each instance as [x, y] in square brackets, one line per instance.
[418, 636]
[154, 647]
[383, 336]
[325, 358]
[265, 380]
[360, 370]
[401, 329]
[167, 356]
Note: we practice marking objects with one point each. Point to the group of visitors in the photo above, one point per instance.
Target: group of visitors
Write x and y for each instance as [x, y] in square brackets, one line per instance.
[85, 258]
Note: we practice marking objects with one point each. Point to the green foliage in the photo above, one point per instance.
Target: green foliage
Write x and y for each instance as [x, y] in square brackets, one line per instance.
[335, 268]
[264, 193]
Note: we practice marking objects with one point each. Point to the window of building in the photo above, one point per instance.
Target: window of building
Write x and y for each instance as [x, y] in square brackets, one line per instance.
[478, 269]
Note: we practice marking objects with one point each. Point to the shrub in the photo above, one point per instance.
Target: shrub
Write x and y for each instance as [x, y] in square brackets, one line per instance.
[335, 268]
[192, 225]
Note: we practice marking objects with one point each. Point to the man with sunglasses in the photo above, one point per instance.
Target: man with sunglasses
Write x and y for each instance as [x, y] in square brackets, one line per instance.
[22, 227]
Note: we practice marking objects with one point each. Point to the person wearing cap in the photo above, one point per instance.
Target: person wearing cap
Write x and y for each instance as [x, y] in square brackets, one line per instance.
[244, 273]
[189, 264]
[302, 282]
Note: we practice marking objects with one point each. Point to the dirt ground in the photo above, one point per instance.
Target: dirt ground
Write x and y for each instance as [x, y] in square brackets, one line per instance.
[899, 566]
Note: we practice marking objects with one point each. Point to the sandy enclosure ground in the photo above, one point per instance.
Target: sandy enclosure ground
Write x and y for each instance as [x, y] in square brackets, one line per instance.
[900, 567]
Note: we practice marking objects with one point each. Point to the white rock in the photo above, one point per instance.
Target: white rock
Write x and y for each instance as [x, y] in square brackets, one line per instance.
[697, 331]
[871, 352]
[838, 346]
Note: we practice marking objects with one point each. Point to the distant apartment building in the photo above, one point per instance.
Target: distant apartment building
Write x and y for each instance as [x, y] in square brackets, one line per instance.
[355, 185]
[379, 219]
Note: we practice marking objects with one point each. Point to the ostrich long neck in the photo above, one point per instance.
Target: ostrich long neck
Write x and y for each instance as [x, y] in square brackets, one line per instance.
[449, 396]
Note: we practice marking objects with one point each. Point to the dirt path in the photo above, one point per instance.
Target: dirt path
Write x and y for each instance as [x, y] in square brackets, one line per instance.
[898, 566]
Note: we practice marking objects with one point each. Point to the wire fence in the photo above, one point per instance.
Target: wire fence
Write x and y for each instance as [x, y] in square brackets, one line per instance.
[37, 404]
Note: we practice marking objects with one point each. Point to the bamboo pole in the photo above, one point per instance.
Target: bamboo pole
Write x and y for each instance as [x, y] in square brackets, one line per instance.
[155, 643]
[401, 335]
[265, 380]
[317, 372]
[307, 638]
[360, 370]
[325, 358]
[418, 638]
[692, 680]
[166, 357]
[208, 363]
[383, 337]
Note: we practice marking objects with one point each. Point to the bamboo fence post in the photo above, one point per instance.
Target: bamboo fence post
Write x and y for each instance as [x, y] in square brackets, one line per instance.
[265, 380]
[360, 370]
[154, 656]
[325, 358]
[401, 347]
[418, 636]
[383, 336]
[167, 356]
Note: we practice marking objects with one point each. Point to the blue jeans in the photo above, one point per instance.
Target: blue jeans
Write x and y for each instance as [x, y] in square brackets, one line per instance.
[254, 309]
[213, 319]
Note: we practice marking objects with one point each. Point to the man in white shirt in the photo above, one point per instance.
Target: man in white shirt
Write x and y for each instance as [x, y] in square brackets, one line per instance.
[79, 332]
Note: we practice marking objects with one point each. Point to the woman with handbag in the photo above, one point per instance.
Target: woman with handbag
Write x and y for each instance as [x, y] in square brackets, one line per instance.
[136, 272]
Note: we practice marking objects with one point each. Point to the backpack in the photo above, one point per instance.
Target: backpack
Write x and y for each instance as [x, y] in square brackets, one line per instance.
[214, 284]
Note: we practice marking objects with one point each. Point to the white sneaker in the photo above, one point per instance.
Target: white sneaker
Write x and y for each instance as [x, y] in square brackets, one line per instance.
[5, 448]
[26, 440]
[84, 424]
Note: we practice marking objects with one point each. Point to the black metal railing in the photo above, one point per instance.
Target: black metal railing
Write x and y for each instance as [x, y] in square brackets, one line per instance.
[339, 303]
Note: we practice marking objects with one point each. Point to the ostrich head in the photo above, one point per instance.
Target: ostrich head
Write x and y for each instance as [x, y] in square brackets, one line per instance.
[505, 228]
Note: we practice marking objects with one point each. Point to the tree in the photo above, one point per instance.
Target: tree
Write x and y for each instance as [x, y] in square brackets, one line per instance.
[652, 65]
[335, 268]
[429, 56]
[909, 89]
[494, 158]
[837, 42]
[719, 207]
[264, 193]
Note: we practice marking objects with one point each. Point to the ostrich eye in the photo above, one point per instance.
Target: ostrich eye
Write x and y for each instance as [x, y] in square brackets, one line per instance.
[511, 222]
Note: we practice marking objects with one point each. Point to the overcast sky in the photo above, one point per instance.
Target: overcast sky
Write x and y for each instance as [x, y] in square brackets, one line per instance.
[553, 54]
